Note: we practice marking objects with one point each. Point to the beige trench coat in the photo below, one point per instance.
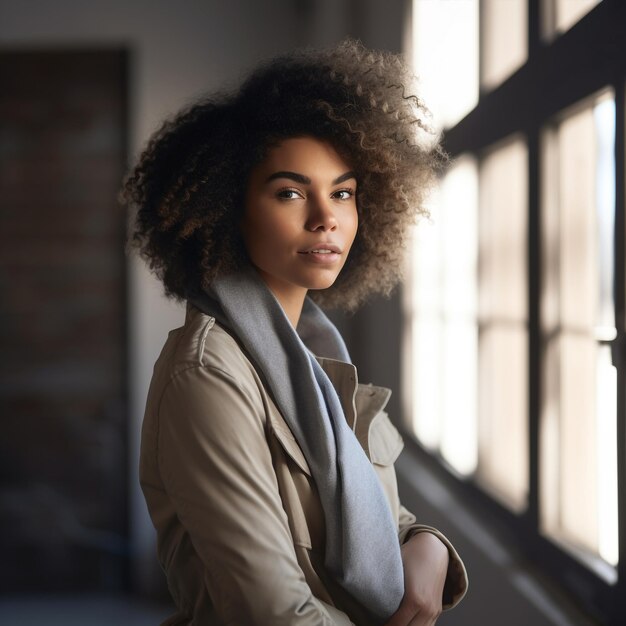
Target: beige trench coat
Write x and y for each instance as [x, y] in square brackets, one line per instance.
[239, 523]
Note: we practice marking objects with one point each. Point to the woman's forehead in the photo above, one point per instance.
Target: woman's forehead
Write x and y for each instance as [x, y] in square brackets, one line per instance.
[304, 155]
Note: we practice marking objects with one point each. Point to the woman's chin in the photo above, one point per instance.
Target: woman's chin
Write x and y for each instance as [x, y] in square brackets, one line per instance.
[320, 282]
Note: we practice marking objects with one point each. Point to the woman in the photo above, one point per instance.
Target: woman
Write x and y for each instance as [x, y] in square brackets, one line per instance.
[267, 469]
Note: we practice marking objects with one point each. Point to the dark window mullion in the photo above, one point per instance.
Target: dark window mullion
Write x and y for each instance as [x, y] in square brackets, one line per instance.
[534, 324]
[534, 285]
[481, 51]
[534, 27]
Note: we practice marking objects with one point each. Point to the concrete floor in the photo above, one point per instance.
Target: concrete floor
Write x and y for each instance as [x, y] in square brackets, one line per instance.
[79, 610]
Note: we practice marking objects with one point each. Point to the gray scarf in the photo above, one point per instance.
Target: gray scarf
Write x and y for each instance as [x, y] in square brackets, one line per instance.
[362, 548]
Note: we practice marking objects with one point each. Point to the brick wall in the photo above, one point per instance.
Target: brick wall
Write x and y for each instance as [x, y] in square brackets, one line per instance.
[62, 320]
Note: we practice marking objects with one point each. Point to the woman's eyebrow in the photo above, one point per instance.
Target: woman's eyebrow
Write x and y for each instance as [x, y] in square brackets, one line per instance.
[298, 178]
[344, 177]
[305, 180]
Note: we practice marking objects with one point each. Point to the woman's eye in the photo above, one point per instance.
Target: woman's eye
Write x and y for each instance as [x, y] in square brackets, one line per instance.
[288, 194]
[343, 194]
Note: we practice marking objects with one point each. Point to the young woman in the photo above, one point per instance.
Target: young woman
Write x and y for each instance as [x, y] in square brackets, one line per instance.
[267, 469]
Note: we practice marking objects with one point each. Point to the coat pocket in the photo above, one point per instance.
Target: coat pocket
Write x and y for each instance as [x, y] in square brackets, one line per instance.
[290, 445]
[296, 485]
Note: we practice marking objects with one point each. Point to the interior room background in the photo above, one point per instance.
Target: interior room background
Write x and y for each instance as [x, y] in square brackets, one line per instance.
[504, 348]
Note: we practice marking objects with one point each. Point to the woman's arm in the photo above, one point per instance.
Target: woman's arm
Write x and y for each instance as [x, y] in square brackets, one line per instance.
[425, 561]
[385, 445]
[434, 575]
[217, 469]
[456, 582]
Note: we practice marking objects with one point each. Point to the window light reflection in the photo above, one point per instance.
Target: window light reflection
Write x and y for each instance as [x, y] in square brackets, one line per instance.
[425, 331]
[606, 409]
[503, 378]
[504, 31]
[445, 57]
[604, 118]
[444, 330]
[459, 218]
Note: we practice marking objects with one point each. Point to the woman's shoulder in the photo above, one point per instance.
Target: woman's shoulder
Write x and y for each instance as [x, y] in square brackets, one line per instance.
[203, 343]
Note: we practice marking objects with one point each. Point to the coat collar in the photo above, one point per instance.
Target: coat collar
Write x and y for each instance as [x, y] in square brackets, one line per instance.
[366, 401]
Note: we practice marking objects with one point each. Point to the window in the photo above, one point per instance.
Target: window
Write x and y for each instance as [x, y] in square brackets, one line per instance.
[579, 414]
[503, 338]
[515, 307]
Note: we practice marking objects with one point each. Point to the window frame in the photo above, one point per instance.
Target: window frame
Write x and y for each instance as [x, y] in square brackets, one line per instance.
[560, 71]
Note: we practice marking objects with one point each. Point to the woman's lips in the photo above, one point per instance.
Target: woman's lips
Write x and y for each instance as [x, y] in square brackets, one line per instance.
[325, 253]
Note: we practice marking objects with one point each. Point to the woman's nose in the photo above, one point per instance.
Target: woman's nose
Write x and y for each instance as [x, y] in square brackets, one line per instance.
[321, 215]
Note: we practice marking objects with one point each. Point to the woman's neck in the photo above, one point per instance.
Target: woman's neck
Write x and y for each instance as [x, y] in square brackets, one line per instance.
[292, 306]
[290, 297]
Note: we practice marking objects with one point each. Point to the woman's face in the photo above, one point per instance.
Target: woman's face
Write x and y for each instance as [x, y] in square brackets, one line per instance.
[300, 216]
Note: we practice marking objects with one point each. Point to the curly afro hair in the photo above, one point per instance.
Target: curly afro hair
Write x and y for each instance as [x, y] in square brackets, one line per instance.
[187, 192]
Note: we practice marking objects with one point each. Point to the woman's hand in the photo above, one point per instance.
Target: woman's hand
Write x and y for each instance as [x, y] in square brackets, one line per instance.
[425, 560]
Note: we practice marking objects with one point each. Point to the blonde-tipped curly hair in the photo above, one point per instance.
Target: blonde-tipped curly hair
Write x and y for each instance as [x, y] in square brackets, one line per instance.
[187, 190]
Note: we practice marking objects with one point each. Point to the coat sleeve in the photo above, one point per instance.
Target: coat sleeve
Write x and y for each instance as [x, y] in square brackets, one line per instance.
[385, 444]
[456, 580]
[216, 466]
